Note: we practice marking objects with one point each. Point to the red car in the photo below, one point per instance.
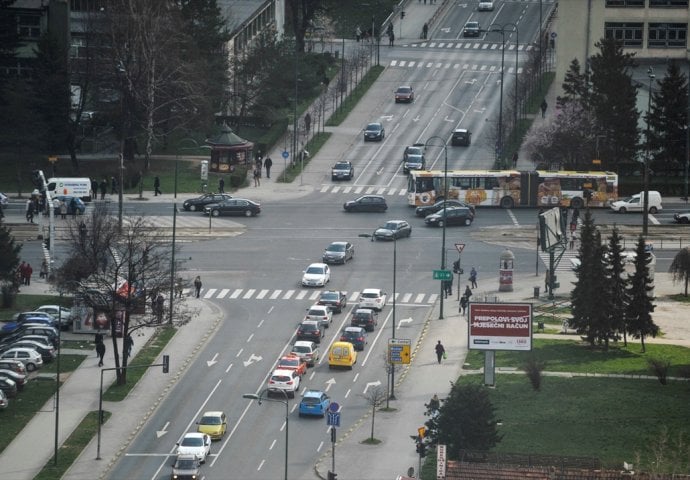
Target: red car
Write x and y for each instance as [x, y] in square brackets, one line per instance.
[293, 362]
[404, 93]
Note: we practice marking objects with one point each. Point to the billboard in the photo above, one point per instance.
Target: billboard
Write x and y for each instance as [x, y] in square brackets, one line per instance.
[500, 326]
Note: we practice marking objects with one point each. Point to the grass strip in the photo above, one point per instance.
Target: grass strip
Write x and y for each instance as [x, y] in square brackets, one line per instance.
[355, 96]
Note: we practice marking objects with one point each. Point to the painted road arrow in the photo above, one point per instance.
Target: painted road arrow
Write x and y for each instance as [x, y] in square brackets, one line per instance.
[213, 361]
[371, 384]
[160, 433]
[252, 358]
[405, 320]
[330, 383]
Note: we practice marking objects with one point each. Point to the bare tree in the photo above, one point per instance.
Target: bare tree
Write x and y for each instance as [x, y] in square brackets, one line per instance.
[680, 268]
[116, 272]
[375, 397]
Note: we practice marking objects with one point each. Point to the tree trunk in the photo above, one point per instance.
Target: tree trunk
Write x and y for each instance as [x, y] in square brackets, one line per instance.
[686, 285]
[643, 346]
[373, 416]
[151, 96]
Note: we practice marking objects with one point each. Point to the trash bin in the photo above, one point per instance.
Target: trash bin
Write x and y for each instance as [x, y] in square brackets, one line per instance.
[536, 292]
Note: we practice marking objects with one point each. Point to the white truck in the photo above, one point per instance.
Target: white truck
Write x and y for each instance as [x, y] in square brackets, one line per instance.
[636, 203]
[70, 186]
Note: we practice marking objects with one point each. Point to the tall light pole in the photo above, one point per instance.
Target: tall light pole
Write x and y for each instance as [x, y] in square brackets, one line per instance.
[264, 396]
[499, 143]
[445, 197]
[645, 204]
[295, 124]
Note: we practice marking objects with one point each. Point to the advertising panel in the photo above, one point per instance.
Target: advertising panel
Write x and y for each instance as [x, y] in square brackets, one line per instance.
[500, 326]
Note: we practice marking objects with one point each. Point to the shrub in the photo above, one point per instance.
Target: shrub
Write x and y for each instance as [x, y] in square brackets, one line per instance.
[533, 369]
[659, 367]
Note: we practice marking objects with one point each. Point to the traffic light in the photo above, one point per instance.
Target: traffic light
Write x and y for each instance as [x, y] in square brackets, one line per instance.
[456, 266]
[166, 363]
[332, 475]
[421, 449]
[402, 14]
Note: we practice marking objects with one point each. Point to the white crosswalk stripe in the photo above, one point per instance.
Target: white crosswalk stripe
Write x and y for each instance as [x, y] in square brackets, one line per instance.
[564, 265]
[467, 44]
[454, 66]
[306, 295]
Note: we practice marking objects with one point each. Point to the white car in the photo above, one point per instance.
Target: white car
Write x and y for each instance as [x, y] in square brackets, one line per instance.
[486, 6]
[29, 357]
[316, 275]
[320, 313]
[4, 199]
[195, 443]
[682, 217]
[285, 380]
[62, 314]
[372, 298]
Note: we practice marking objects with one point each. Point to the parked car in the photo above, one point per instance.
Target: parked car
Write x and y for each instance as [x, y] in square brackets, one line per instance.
[374, 131]
[196, 444]
[372, 298]
[292, 362]
[413, 158]
[285, 380]
[14, 365]
[472, 29]
[233, 206]
[366, 318]
[307, 351]
[32, 330]
[342, 354]
[321, 314]
[357, 336]
[19, 378]
[198, 203]
[393, 230]
[404, 93]
[77, 206]
[342, 170]
[316, 275]
[61, 314]
[213, 423]
[310, 330]
[366, 203]
[186, 467]
[452, 216]
[338, 252]
[314, 402]
[9, 387]
[461, 136]
[426, 210]
[30, 358]
[4, 401]
[682, 217]
[46, 351]
[337, 301]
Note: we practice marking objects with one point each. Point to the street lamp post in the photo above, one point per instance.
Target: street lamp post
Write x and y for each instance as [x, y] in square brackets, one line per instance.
[445, 197]
[645, 215]
[263, 395]
[502, 30]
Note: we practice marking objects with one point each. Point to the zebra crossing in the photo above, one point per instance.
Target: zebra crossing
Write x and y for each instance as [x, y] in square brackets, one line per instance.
[363, 189]
[565, 265]
[410, 298]
[468, 45]
[473, 67]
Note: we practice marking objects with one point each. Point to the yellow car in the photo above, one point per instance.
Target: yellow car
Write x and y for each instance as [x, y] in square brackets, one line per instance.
[342, 354]
[213, 424]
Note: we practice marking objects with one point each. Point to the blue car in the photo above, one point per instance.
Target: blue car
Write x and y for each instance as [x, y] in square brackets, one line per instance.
[314, 402]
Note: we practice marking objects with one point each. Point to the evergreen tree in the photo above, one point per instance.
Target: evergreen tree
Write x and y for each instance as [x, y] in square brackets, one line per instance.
[617, 284]
[668, 120]
[576, 86]
[465, 420]
[613, 101]
[639, 313]
[9, 260]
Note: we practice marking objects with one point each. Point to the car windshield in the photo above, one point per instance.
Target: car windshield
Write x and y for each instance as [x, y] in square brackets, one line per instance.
[374, 127]
[185, 464]
[336, 247]
[390, 226]
[472, 25]
[192, 442]
[414, 151]
[315, 270]
[210, 421]
[404, 90]
[342, 165]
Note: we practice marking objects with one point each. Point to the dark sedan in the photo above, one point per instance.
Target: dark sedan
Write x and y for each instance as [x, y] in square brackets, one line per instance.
[374, 131]
[453, 216]
[404, 93]
[426, 210]
[334, 299]
[198, 203]
[234, 206]
[392, 230]
[367, 203]
[338, 252]
[356, 336]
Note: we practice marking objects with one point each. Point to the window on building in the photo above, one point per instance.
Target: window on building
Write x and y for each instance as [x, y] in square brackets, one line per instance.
[628, 34]
[625, 3]
[78, 48]
[668, 3]
[668, 35]
[29, 26]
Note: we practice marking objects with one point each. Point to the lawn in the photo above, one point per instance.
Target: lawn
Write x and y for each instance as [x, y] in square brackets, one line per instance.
[607, 418]
[575, 356]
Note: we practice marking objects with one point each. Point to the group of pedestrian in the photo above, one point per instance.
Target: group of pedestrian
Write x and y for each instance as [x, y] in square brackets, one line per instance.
[258, 164]
[24, 272]
[465, 299]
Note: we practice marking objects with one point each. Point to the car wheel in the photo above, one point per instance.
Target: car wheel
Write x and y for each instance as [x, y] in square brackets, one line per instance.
[576, 203]
[622, 210]
[192, 208]
[468, 222]
[684, 220]
[215, 213]
[652, 210]
[248, 213]
[507, 203]
[441, 223]
[30, 367]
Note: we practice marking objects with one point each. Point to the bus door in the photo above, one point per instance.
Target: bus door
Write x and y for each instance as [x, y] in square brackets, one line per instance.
[529, 186]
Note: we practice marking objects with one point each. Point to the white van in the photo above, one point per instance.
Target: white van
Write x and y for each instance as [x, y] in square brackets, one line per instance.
[70, 187]
[636, 203]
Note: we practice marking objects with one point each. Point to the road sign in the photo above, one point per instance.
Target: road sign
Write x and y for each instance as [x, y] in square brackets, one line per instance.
[459, 247]
[333, 419]
[285, 154]
[334, 407]
[554, 34]
[443, 274]
[399, 351]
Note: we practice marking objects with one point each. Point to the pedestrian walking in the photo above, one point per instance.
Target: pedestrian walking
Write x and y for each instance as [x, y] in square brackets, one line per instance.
[425, 30]
[307, 122]
[179, 287]
[157, 186]
[197, 286]
[440, 351]
[268, 163]
[28, 271]
[515, 159]
[448, 286]
[113, 186]
[63, 210]
[221, 185]
[391, 35]
[473, 277]
[257, 176]
[573, 238]
[30, 211]
[128, 344]
[73, 207]
[463, 304]
[104, 188]
[468, 293]
[100, 351]
[160, 307]
[98, 338]
[546, 280]
[43, 272]
[543, 107]
[358, 33]
[94, 189]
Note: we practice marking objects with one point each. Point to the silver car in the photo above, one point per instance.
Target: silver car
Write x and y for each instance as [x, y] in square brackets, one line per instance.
[338, 252]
